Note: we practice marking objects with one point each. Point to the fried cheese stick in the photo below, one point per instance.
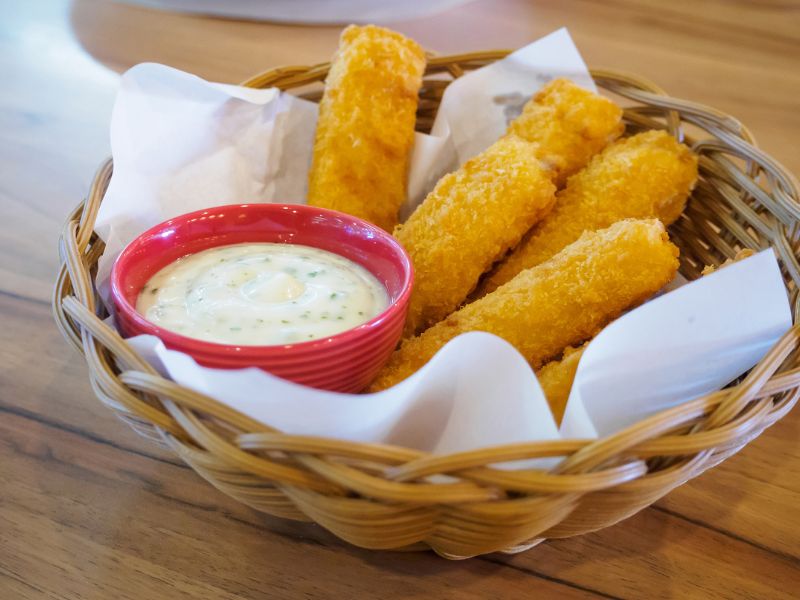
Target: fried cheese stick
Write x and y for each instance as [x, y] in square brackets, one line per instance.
[465, 222]
[649, 175]
[366, 123]
[556, 379]
[557, 376]
[561, 302]
[471, 218]
[569, 124]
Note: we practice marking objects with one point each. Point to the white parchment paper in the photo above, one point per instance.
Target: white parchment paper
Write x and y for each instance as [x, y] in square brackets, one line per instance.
[182, 144]
[681, 345]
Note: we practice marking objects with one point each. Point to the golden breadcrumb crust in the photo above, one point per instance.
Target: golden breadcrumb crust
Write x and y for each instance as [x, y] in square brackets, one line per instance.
[471, 218]
[559, 303]
[649, 175]
[365, 130]
[740, 255]
[569, 124]
[556, 379]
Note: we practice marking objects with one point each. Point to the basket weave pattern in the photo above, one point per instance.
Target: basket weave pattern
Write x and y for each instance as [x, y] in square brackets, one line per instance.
[386, 497]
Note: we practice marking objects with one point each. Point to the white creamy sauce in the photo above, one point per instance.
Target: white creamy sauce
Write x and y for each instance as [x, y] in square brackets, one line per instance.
[262, 294]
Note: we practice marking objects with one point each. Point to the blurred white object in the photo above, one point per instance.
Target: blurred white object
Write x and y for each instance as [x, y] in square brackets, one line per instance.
[315, 12]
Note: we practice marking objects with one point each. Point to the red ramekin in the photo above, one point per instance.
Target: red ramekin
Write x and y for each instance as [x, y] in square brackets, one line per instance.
[345, 362]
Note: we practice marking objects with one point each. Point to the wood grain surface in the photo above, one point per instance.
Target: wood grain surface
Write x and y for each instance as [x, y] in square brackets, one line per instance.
[90, 511]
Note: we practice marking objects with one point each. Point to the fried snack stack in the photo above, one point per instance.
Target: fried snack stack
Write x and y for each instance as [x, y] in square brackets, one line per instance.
[649, 175]
[559, 303]
[569, 124]
[468, 221]
[556, 379]
[471, 218]
[366, 123]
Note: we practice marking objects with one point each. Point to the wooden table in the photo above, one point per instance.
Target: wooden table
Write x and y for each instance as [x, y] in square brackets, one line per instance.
[88, 510]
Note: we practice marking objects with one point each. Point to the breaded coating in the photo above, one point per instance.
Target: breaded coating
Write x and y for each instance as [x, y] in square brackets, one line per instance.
[471, 218]
[569, 124]
[559, 303]
[649, 175]
[366, 123]
[556, 379]
[740, 255]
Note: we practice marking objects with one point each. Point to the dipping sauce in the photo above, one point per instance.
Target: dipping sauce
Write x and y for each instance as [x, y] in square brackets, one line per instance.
[262, 294]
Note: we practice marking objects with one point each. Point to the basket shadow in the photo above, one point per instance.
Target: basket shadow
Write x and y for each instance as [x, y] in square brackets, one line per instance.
[724, 499]
[592, 561]
[417, 565]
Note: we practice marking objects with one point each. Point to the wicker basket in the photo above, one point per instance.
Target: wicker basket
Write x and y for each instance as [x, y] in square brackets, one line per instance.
[384, 497]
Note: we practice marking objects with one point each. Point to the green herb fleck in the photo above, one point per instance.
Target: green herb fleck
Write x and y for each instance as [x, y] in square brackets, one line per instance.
[361, 312]
[340, 318]
[285, 321]
[333, 295]
[236, 328]
[154, 290]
